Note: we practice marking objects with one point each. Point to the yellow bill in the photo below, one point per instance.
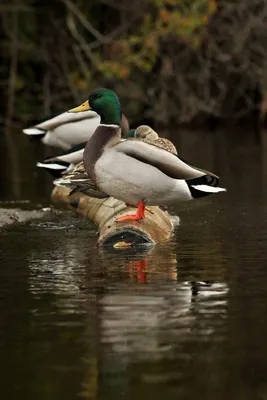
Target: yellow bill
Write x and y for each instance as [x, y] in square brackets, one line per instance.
[83, 107]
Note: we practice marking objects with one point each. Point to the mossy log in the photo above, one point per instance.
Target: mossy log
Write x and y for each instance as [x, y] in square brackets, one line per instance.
[155, 228]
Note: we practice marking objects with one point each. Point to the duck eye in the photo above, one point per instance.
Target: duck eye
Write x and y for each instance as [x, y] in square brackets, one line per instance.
[97, 96]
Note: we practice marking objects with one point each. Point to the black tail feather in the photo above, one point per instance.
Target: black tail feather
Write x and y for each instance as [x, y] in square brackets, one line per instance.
[34, 138]
[210, 180]
[56, 173]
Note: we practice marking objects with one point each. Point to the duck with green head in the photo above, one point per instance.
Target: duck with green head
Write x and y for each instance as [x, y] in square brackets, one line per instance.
[77, 179]
[133, 171]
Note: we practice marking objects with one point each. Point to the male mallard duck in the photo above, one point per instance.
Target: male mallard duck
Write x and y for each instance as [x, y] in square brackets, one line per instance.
[137, 172]
[75, 176]
[64, 163]
[68, 129]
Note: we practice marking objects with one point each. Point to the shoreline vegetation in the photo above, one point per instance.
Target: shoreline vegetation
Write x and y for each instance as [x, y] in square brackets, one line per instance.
[170, 61]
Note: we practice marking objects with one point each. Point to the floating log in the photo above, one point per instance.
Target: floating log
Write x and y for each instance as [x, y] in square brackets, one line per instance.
[155, 228]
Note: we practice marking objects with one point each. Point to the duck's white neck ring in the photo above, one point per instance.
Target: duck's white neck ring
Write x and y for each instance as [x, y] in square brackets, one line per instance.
[110, 125]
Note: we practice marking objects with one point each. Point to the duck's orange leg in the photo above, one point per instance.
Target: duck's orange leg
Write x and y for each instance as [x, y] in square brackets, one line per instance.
[140, 214]
[146, 208]
[141, 267]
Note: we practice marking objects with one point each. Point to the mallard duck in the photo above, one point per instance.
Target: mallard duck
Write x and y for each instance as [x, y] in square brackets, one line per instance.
[75, 176]
[147, 134]
[136, 172]
[64, 163]
[68, 129]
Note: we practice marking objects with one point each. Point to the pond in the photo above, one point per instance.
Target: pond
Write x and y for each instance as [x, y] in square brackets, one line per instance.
[184, 320]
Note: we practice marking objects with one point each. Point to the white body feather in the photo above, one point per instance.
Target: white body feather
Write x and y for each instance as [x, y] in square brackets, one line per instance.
[51, 166]
[209, 189]
[33, 131]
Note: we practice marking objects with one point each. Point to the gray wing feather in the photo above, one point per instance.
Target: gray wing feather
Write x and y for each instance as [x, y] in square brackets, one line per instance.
[170, 164]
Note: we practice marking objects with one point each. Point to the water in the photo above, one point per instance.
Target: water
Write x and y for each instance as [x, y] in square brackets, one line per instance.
[183, 320]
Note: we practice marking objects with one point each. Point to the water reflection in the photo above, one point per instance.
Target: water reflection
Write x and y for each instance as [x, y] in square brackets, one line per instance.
[152, 324]
[143, 311]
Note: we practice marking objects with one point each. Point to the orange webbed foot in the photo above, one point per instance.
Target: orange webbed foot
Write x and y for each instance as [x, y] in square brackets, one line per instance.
[140, 214]
[130, 217]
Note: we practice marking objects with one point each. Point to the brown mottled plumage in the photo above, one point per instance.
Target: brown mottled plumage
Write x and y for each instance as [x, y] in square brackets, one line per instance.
[78, 181]
[146, 134]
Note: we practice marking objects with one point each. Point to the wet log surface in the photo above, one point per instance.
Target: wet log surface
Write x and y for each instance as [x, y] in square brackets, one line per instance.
[155, 228]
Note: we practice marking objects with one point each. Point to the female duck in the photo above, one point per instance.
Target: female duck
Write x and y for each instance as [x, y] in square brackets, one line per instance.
[146, 134]
[137, 172]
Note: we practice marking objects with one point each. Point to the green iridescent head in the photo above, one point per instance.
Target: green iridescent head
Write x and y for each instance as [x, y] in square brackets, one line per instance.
[104, 102]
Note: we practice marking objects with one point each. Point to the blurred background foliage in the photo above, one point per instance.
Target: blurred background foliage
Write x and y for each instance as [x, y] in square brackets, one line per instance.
[171, 61]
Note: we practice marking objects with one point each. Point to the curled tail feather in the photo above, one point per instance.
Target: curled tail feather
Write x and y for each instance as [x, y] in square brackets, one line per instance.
[204, 186]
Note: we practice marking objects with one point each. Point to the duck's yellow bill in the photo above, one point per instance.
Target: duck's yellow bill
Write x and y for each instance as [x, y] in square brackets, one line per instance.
[83, 107]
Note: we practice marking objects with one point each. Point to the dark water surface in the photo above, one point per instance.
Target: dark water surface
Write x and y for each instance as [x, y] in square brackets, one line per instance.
[183, 320]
